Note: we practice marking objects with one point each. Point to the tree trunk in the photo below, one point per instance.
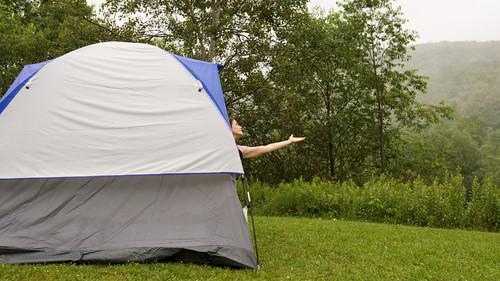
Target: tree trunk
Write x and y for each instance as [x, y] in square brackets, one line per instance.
[216, 10]
[381, 132]
[379, 94]
[331, 158]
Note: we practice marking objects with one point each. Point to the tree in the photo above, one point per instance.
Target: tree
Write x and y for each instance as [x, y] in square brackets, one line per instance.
[464, 145]
[316, 67]
[384, 41]
[344, 74]
[36, 30]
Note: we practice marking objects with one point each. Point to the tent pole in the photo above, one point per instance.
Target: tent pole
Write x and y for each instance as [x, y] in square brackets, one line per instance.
[248, 200]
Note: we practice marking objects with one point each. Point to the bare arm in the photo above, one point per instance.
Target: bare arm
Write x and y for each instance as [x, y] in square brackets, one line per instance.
[254, 151]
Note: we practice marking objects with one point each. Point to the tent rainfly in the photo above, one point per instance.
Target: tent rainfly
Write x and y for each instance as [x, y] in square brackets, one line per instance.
[119, 152]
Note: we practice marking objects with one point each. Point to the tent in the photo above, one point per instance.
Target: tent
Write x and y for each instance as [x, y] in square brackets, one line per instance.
[119, 152]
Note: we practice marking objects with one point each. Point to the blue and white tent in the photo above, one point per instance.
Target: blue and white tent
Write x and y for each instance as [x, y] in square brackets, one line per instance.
[119, 152]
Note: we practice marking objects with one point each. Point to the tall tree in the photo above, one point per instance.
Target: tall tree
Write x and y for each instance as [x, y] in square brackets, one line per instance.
[318, 64]
[384, 40]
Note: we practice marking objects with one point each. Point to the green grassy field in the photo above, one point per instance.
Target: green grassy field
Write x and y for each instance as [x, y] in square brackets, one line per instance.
[316, 249]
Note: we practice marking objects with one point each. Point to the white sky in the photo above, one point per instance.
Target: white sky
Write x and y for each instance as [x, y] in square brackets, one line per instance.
[447, 20]
[442, 20]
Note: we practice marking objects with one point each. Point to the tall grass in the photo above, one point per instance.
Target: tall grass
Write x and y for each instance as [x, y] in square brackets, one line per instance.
[442, 204]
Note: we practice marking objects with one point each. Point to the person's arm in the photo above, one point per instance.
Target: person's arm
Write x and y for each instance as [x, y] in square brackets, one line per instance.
[254, 151]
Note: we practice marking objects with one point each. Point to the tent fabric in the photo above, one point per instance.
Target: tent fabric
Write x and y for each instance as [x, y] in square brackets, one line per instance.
[114, 153]
[196, 218]
[23, 77]
[114, 109]
[208, 75]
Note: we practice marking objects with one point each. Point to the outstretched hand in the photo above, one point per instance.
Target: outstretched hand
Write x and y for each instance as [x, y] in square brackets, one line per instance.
[293, 139]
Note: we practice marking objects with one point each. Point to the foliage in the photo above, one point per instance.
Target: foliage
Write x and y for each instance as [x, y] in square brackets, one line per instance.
[385, 200]
[33, 31]
[317, 249]
[316, 75]
[465, 144]
[338, 79]
[383, 40]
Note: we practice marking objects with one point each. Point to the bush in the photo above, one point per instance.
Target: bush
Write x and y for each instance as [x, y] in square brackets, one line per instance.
[384, 200]
[484, 207]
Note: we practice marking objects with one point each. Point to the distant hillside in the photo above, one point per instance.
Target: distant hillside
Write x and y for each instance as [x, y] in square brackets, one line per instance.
[464, 75]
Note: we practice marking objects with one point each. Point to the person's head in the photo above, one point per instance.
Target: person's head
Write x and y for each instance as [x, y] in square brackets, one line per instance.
[236, 129]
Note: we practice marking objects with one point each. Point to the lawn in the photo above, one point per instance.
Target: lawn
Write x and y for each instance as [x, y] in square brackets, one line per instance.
[318, 249]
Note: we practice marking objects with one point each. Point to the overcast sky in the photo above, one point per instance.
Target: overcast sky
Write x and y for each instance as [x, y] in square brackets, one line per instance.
[442, 20]
[447, 20]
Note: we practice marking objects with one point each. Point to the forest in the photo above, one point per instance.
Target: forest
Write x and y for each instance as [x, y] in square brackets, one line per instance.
[351, 80]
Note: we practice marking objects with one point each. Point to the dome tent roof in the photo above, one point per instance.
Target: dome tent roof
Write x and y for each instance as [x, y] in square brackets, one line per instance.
[112, 109]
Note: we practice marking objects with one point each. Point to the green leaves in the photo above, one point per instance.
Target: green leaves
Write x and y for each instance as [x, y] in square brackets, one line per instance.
[35, 31]
[382, 199]
[383, 41]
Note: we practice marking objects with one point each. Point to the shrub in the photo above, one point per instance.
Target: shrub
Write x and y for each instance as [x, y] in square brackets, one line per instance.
[382, 199]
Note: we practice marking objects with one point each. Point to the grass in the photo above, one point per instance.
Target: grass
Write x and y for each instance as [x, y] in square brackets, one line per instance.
[318, 249]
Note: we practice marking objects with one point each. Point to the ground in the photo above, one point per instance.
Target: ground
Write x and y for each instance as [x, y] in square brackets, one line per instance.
[318, 249]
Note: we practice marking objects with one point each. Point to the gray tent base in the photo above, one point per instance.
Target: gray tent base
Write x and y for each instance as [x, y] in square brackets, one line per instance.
[139, 255]
[182, 218]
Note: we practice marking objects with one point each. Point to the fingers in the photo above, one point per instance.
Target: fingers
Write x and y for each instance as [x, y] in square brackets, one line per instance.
[295, 139]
